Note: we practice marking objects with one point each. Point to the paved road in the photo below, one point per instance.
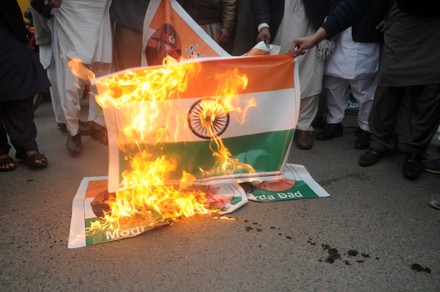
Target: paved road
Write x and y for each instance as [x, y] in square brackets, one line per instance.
[376, 221]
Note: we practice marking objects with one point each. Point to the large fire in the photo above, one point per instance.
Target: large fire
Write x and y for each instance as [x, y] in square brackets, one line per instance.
[146, 192]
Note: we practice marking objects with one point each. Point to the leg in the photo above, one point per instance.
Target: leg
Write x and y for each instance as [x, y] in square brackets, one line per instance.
[19, 123]
[95, 111]
[69, 97]
[54, 93]
[6, 162]
[382, 124]
[307, 113]
[423, 119]
[383, 116]
[96, 115]
[4, 145]
[336, 93]
[363, 91]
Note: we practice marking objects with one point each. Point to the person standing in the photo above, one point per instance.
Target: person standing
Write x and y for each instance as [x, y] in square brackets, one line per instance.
[354, 66]
[81, 30]
[294, 22]
[22, 76]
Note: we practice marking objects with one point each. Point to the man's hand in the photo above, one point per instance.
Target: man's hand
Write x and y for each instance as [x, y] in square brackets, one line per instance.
[264, 35]
[223, 36]
[380, 26]
[300, 45]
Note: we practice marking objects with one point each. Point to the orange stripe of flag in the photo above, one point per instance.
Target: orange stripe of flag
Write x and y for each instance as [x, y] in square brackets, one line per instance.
[264, 73]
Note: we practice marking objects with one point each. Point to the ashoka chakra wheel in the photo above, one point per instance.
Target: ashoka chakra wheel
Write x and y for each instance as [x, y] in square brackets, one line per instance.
[207, 118]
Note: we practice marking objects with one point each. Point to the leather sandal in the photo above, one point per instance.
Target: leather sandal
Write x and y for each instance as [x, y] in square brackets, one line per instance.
[7, 164]
[36, 160]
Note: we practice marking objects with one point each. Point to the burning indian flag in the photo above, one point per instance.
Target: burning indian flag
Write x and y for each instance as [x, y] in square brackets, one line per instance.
[216, 120]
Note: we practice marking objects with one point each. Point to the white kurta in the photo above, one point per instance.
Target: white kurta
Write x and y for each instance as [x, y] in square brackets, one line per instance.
[81, 29]
[353, 64]
[295, 24]
[352, 60]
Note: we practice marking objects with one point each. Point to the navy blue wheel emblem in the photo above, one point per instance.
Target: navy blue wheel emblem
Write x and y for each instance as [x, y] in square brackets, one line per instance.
[208, 117]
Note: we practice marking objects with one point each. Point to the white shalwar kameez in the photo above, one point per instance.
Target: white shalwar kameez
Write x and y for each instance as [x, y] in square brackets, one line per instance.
[353, 64]
[81, 30]
[295, 24]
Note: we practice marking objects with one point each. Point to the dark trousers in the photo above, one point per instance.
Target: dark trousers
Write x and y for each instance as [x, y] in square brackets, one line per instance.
[416, 109]
[127, 46]
[17, 122]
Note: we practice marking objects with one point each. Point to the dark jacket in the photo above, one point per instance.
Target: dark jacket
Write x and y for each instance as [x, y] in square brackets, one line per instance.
[8, 14]
[212, 11]
[348, 12]
[421, 7]
[364, 30]
[345, 15]
[317, 10]
[268, 11]
[21, 73]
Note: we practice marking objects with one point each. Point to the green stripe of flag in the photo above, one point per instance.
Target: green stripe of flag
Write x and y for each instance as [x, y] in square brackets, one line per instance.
[265, 152]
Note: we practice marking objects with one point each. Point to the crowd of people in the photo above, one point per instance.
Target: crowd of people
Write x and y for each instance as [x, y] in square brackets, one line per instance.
[375, 50]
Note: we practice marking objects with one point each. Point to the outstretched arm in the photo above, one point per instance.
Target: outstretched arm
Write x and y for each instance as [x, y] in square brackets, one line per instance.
[342, 17]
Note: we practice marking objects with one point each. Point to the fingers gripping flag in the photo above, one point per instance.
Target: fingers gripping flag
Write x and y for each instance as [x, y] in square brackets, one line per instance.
[198, 121]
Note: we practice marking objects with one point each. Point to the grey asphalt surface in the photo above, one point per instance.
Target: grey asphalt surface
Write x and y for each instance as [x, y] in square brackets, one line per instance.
[282, 246]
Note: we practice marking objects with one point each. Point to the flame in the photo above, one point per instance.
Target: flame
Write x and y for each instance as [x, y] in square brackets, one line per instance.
[147, 195]
[80, 70]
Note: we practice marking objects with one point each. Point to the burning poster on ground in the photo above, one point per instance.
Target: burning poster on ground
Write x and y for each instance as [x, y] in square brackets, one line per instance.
[88, 227]
[296, 184]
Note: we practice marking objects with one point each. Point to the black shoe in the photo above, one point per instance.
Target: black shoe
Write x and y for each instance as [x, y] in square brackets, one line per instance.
[412, 168]
[74, 144]
[331, 131]
[371, 157]
[304, 139]
[363, 140]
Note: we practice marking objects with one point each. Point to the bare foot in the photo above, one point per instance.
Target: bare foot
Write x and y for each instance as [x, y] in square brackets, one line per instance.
[6, 163]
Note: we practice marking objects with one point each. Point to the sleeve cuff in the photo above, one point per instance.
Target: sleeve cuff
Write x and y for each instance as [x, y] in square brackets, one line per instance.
[263, 25]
